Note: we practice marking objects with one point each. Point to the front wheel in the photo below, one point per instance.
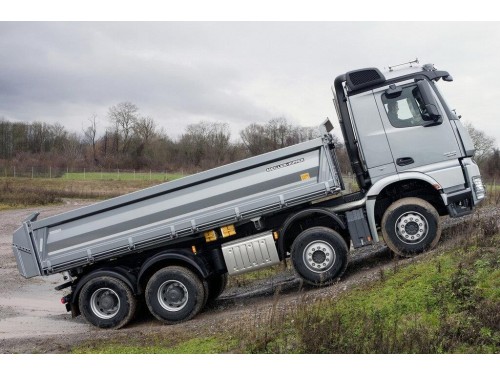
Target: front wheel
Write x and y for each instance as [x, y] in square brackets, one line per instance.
[175, 294]
[107, 302]
[319, 255]
[410, 226]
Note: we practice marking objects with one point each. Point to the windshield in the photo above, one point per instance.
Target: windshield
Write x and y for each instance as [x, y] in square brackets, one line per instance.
[447, 108]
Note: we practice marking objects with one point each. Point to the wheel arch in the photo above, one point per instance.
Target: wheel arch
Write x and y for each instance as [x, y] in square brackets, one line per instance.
[165, 258]
[405, 185]
[290, 225]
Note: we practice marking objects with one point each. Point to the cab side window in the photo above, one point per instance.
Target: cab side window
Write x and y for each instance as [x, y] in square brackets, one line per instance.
[405, 110]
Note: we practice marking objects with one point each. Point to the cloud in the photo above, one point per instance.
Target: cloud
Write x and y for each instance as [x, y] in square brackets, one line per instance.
[184, 72]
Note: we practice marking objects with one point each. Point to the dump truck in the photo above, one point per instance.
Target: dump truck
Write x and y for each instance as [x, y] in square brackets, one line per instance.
[172, 246]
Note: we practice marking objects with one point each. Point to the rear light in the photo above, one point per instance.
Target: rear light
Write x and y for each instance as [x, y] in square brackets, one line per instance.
[65, 300]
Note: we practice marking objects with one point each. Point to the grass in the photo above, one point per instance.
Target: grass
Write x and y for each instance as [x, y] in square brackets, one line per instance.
[445, 301]
[208, 345]
[26, 192]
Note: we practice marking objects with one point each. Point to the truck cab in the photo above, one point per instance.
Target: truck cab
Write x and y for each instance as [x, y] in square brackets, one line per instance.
[404, 141]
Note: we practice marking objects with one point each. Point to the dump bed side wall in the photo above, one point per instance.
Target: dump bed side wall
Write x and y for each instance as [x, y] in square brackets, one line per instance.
[155, 220]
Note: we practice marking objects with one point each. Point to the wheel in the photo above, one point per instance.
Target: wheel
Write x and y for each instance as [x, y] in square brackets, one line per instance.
[216, 285]
[410, 226]
[175, 294]
[107, 302]
[319, 255]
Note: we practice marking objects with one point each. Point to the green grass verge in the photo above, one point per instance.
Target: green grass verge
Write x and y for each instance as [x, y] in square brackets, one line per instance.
[447, 302]
[209, 345]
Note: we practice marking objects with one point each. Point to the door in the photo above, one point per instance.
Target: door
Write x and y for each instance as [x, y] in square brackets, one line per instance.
[412, 144]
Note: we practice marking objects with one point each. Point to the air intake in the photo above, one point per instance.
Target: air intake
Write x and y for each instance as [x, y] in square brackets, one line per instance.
[362, 78]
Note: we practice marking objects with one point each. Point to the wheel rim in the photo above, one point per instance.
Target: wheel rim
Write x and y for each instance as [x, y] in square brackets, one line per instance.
[105, 303]
[172, 295]
[319, 256]
[411, 227]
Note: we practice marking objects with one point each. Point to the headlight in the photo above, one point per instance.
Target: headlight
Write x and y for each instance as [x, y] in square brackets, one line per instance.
[477, 183]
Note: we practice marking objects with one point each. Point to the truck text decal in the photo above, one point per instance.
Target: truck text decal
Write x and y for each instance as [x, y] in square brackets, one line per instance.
[279, 166]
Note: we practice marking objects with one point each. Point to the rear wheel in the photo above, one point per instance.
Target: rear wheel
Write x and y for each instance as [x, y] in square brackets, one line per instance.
[107, 302]
[175, 294]
[411, 226]
[319, 255]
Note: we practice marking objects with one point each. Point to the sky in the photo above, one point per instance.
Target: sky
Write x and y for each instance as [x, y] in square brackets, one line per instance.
[239, 73]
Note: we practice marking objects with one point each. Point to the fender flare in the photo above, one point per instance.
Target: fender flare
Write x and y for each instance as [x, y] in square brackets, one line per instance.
[377, 187]
[300, 215]
[178, 256]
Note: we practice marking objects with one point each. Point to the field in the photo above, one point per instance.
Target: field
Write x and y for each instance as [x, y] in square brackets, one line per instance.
[26, 192]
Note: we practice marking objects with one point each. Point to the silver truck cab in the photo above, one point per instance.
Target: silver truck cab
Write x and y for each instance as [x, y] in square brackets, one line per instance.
[401, 133]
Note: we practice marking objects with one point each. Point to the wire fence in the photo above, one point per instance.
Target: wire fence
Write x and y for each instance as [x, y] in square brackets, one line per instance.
[77, 174]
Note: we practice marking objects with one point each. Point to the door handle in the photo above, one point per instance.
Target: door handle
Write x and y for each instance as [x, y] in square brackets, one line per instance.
[404, 161]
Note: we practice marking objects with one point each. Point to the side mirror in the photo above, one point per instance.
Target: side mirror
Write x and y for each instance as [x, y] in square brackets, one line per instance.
[430, 109]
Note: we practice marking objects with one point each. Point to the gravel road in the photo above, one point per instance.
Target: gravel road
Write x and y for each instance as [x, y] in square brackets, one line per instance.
[33, 320]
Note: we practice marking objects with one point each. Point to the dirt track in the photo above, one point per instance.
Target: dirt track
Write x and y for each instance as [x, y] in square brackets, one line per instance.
[33, 320]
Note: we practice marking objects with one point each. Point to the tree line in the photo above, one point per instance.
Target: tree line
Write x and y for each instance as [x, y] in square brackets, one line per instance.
[126, 139]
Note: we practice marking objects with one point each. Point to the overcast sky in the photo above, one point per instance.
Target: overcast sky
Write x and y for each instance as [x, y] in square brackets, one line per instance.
[185, 72]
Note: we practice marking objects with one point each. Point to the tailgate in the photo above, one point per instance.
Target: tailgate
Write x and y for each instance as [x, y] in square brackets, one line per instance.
[22, 246]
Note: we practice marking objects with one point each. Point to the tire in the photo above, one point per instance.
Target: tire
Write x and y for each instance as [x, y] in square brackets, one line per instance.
[175, 294]
[319, 255]
[216, 285]
[411, 226]
[107, 302]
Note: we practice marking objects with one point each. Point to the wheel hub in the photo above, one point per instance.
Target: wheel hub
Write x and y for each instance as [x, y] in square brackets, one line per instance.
[105, 303]
[172, 295]
[411, 227]
[319, 256]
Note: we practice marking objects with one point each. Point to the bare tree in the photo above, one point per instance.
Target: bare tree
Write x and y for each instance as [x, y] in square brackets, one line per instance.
[483, 143]
[276, 133]
[123, 116]
[144, 129]
[218, 142]
[90, 134]
[255, 139]
[492, 165]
